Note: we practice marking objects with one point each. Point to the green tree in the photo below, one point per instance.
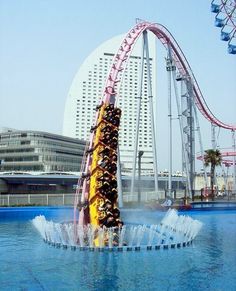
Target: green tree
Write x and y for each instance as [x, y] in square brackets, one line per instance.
[212, 158]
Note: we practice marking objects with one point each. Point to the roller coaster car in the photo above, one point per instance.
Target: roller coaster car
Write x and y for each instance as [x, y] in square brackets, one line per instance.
[107, 188]
[110, 139]
[108, 153]
[101, 215]
[103, 192]
[104, 188]
[106, 206]
[108, 166]
[105, 152]
[112, 108]
[105, 214]
[112, 195]
[116, 212]
[113, 112]
[106, 128]
[111, 183]
[113, 143]
[112, 115]
[110, 134]
[111, 221]
[109, 107]
[111, 168]
[108, 194]
[113, 119]
[108, 221]
[104, 177]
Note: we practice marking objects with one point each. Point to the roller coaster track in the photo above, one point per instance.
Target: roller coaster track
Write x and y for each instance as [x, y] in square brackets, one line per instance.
[224, 154]
[181, 62]
[91, 182]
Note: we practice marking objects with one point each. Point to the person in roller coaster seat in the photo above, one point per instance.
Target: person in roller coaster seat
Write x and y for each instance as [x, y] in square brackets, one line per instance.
[106, 128]
[105, 152]
[116, 212]
[109, 107]
[111, 195]
[111, 168]
[105, 188]
[112, 219]
[107, 206]
[104, 177]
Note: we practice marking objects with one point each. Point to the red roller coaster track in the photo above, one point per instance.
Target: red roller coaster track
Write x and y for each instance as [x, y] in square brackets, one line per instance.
[110, 95]
[224, 155]
[181, 62]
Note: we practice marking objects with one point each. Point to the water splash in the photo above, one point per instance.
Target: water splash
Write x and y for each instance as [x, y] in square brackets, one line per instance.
[173, 230]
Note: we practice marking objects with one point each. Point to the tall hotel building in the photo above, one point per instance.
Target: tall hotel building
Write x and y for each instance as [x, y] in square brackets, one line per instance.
[86, 91]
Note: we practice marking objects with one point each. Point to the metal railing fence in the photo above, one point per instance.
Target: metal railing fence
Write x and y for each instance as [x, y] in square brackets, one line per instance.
[68, 199]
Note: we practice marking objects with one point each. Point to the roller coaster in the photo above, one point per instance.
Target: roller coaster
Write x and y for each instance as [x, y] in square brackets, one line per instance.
[98, 185]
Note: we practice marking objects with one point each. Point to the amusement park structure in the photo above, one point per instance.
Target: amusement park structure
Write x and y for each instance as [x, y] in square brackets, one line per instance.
[225, 19]
[101, 169]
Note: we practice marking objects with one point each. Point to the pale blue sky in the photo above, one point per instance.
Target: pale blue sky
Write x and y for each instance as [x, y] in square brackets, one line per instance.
[43, 43]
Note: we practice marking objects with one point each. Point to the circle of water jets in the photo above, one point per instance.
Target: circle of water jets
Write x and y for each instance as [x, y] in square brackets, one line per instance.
[174, 231]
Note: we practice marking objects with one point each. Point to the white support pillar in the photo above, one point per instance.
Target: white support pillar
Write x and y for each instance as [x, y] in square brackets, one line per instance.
[169, 68]
[213, 136]
[201, 145]
[185, 156]
[234, 161]
[138, 119]
[214, 144]
[154, 148]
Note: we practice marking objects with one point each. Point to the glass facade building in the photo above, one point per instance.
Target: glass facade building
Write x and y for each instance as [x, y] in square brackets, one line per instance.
[28, 151]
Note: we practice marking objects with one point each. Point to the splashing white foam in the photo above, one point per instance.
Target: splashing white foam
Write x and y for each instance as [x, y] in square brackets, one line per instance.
[173, 229]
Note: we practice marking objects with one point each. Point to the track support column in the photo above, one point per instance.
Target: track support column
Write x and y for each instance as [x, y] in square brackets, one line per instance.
[149, 83]
[234, 160]
[138, 120]
[185, 149]
[169, 68]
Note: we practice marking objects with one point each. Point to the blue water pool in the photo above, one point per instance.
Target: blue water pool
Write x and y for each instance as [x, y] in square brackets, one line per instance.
[27, 263]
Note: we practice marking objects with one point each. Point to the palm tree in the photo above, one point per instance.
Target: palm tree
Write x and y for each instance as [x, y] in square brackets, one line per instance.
[213, 158]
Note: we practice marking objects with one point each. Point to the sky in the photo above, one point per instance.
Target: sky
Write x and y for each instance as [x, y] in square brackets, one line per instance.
[44, 42]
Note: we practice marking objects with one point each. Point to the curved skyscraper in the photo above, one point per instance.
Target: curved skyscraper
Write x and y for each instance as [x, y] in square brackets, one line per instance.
[85, 93]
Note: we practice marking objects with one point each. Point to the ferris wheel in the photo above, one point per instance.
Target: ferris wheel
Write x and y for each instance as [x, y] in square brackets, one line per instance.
[225, 19]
